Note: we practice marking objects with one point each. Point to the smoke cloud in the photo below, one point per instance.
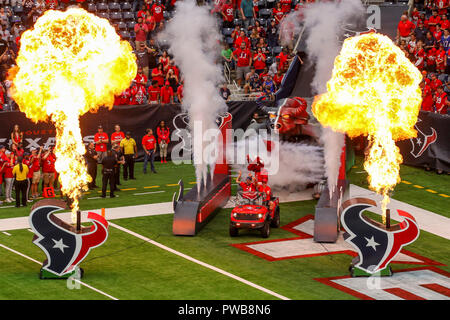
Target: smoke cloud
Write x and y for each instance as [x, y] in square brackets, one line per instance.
[194, 42]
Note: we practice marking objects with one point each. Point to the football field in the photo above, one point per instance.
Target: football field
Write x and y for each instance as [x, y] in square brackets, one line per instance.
[142, 259]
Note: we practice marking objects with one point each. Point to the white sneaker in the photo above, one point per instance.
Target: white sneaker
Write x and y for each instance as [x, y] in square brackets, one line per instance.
[29, 200]
[8, 200]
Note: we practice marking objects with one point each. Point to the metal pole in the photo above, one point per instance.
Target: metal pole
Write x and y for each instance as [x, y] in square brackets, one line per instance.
[78, 220]
[388, 219]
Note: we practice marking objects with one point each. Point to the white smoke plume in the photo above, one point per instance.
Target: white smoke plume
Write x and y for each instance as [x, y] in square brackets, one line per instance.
[323, 28]
[297, 165]
[194, 42]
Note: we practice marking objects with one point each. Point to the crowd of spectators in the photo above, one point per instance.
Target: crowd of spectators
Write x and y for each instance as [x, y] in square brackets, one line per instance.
[424, 37]
[251, 43]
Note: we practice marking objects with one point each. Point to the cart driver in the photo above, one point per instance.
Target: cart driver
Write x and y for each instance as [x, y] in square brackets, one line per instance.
[266, 191]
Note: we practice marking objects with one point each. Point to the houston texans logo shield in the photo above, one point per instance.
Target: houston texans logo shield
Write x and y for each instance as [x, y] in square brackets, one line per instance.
[64, 247]
[375, 245]
[421, 143]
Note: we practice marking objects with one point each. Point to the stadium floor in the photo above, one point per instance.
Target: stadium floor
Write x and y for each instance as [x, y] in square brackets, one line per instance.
[128, 267]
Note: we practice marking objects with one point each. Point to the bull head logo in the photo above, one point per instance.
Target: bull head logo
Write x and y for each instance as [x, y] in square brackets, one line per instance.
[64, 248]
[375, 245]
[291, 116]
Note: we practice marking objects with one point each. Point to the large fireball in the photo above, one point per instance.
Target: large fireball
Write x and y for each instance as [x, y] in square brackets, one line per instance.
[70, 63]
[374, 91]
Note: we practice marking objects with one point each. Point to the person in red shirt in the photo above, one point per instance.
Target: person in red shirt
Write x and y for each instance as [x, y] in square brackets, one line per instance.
[440, 101]
[419, 56]
[153, 93]
[48, 167]
[404, 29]
[433, 21]
[180, 92]
[164, 60]
[286, 6]
[166, 94]
[51, 4]
[284, 60]
[157, 11]
[442, 6]
[243, 58]
[35, 167]
[445, 23]
[173, 67]
[278, 13]
[278, 78]
[163, 134]
[117, 135]
[242, 38]
[227, 13]
[9, 162]
[437, 34]
[431, 59]
[441, 60]
[16, 137]
[248, 185]
[149, 146]
[150, 21]
[124, 98]
[435, 82]
[101, 140]
[427, 97]
[142, 13]
[158, 74]
[140, 30]
[138, 95]
[259, 61]
[19, 151]
[140, 79]
[266, 192]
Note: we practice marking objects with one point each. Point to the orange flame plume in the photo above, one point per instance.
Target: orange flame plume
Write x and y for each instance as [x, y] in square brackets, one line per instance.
[374, 91]
[70, 63]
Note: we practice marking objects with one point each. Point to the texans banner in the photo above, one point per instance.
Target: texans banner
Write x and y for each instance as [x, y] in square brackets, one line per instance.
[135, 119]
[64, 247]
[431, 147]
[375, 245]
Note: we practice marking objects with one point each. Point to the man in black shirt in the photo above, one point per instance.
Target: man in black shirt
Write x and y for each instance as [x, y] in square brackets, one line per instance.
[108, 173]
[225, 92]
[91, 160]
[120, 160]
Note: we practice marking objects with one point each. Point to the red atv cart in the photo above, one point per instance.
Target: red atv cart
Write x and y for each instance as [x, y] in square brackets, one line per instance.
[252, 213]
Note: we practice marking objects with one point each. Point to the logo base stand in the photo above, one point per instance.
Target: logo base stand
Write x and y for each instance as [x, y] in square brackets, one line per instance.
[46, 275]
[357, 272]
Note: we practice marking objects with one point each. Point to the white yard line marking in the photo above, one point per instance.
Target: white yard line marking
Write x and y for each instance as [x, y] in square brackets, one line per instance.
[159, 245]
[7, 207]
[142, 193]
[30, 230]
[8, 234]
[81, 282]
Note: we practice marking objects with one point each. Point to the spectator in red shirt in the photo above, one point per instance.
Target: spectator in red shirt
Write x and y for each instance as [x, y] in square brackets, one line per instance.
[278, 13]
[442, 6]
[48, 167]
[163, 134]
[149, 146]
[8, 165]
[427, 97]
[227, 13]
[141, 30]
[157, 11]
[435, 82]
[445, 23]
[166, 94]
[243, 59]
[242, 39]
[100, 140]
[138, 95]
[35, 165]
[441, 59]
[437, 34]
[440, 101]
[433, 21]
[248, 185]
[153, 93]
[431, 59]
[117, 135]
[278, 78]
[51, 4]
[158, 74]
[286, 6]
[140, 79]
[404, 29]
[180, 92]
[259, 61]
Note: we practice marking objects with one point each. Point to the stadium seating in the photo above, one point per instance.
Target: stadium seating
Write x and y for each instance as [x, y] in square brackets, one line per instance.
[115, 16]
[270, 4]
[128, 15]
[18, 9]
[227, 31]
[130, 25]
[104, 15]
[265, 13]
[91, 7]
[102, 7]
[114, 7]
[122, 25]
[276, 50]
[125, 34]
[263, 22]
[126, 6]
[15, 19]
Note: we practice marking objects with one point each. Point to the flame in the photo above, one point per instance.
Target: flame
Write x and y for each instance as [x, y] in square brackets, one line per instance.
[374, 91]
[70, 63]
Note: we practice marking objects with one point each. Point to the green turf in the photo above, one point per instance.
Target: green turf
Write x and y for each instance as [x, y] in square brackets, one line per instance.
[129, 268]
[406, 192]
